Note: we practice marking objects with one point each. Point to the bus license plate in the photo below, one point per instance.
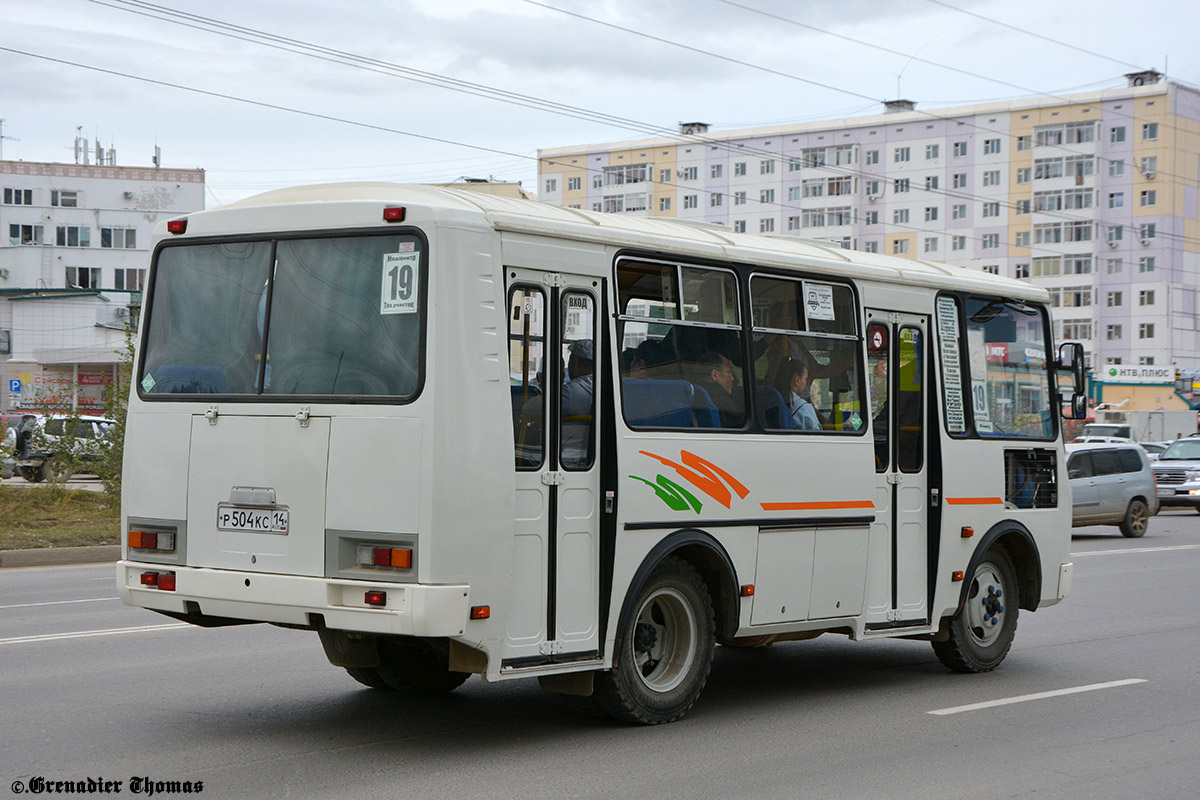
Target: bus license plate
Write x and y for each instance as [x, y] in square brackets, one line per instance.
[252, 520]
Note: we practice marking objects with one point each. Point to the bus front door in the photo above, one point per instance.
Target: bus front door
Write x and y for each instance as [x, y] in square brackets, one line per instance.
[897, 365]
[554, 351]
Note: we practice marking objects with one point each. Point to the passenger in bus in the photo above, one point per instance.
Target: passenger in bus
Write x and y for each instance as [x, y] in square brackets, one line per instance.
[791, 379]
[578, 399]
[718, 381]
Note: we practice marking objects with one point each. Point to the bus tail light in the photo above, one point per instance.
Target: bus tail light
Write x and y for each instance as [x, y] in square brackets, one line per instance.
[375, 598]
[481, 612]
[152, 540]
[393, 214]
[164, 581]
[393, 557]
[177, 226]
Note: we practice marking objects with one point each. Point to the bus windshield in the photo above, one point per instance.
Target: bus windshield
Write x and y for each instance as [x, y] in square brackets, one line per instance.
[1010, 386]
[335, 316]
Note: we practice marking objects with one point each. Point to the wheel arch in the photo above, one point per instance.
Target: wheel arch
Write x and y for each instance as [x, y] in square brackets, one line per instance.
[1019, 543]
[709, 558]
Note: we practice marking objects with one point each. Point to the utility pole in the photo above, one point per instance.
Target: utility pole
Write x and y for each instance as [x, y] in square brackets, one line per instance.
[3, 137]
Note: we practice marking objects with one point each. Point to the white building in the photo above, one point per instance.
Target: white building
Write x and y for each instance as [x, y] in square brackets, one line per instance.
[74, 246]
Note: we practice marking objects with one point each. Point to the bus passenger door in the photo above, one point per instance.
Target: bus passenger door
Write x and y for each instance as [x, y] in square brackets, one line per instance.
[554, 353]
[897, 368]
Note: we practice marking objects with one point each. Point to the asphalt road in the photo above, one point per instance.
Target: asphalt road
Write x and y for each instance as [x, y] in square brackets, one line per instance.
[93, 689]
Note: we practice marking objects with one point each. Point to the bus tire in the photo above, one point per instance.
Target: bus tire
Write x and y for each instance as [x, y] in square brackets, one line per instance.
[982, 631]
[1137, 519]
[367, 676]
[418, 669]
[665, 649]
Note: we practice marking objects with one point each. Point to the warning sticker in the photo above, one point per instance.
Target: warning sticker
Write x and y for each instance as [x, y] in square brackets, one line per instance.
[401, 275]
[818, 301]
[148, 382]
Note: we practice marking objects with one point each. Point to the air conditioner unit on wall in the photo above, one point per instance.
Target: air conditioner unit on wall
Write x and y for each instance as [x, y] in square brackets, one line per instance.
[121, 311]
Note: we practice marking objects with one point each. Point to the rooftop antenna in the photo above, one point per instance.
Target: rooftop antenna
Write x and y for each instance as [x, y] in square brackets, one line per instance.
[3, 138]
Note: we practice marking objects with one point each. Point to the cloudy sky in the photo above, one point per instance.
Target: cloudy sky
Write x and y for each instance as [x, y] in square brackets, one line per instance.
[355, 90]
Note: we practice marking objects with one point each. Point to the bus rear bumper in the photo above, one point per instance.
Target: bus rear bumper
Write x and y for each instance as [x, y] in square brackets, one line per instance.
[407, 610]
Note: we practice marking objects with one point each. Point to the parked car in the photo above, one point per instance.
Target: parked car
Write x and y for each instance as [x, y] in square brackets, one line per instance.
[1154, 449]
[42, 442]
[1177, 473]
[1112, 484]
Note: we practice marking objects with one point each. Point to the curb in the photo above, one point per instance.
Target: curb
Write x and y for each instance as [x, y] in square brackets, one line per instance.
[60, 556]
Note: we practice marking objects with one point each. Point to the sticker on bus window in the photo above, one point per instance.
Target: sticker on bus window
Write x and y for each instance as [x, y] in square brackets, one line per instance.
[401, 272]
[947, 322]
[148, 382]
[818, 301]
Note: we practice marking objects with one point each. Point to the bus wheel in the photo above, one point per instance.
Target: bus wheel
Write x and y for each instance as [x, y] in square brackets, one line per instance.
[1137, 519]
[666, 649]
[367, 676]
[418, 669]
[982, 631]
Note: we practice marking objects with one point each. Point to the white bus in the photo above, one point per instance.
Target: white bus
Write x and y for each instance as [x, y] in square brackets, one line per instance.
[460, 434]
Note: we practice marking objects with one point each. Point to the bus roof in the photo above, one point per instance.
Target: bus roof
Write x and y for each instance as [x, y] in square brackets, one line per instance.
[680, 237]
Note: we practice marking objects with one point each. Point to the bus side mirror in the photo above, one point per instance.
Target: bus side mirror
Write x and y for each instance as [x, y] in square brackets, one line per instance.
[1076, 408]
[1070, 359]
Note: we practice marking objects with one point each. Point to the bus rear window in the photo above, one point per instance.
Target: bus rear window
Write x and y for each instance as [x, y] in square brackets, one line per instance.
[335, 317]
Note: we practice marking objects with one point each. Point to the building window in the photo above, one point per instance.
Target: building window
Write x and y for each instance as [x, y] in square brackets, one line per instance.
[598, 180]
[1077, 296]
[1116, 167]
[1146, 297]
[739, 168]
[1146, 330]
[1112, 332]
[664, 204]
[1024, 142]
[900, 185]
[625, 173]
[1021, 271]
[1146, 361]
[814, 187]
[691, 173]
[714, 200]
[901, 154]
[900, 216]
[931, 151]
[1146, 264]
[1046, 266]
[1076, 329]
[840, 215]
[991, 146]
[872, 157]
[766, 196]
[872, 188]
[766, 166]
[958, 243]
[990, 241]
[840, 186]
[76, 236]
[931, 183]
[871, 218]
[739, 198]
[794, 193]
[993, 269]
[739, 226]
[899, 247]
[715, 170]
[691, 201]
[931, 213]
[18, 197]
[959, 180]
[129, 279]
[795, 164]
[1077, 265]
[958, 211]
[1147, 231]
[991, 209]
[83, 277]
[870, 247]
[1115, 266]
[1149, 197]
[960, 149]
[1149, 166]
[1116, 200]
[64, 199]
[766, 225]
[615, 204]
[1149, 131]
[551, 184]
[121, 238]
[1114, 299]
[24, 234]
[1115, 233]
[991, 177]
[574, 184]
[1021, 207]
[1024, 174]
[1116, 134]
[931, 244]
[1021, 239]
[794, 223]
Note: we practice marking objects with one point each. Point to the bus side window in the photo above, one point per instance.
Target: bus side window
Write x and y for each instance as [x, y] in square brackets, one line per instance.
[878, 391]
[527, 373]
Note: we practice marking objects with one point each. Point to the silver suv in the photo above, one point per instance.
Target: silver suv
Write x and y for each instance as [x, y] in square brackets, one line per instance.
[1177, 473]
[1112, 484]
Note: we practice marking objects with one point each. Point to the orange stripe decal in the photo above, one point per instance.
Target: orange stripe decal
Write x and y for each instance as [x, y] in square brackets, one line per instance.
[823, 505]
[975, 501]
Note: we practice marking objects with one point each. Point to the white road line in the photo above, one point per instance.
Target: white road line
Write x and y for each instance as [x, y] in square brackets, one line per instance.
[61, 602]
[1138, 550]
[52, 637]
[1007, 701]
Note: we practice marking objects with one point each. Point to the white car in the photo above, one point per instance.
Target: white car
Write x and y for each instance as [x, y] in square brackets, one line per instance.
[40, 439]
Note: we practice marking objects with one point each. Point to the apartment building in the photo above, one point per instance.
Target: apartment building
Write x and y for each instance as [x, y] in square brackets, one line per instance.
[1093, 196]
[74, 247]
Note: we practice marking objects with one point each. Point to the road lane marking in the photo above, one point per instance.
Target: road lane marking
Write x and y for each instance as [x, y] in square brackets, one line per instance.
[52, 637]
[1138, 550]
[1007, 701]
[61, 602]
